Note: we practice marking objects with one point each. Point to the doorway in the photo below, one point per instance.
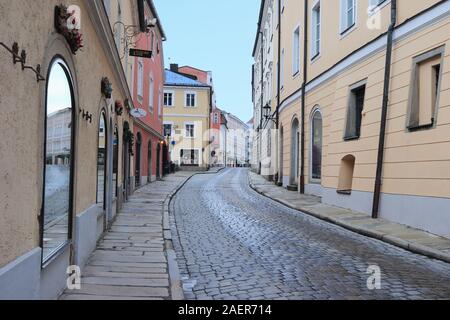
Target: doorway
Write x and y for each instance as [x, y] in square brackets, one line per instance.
[149, 162]
[295, 147]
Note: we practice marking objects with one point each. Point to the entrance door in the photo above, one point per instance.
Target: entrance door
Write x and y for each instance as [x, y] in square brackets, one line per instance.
[295, 147]
[102, 164]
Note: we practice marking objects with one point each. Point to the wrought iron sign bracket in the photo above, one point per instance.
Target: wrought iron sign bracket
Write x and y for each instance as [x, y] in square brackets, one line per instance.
[22, 58]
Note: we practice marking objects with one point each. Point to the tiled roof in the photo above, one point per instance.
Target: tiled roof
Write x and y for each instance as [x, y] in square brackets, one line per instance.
[176, 79]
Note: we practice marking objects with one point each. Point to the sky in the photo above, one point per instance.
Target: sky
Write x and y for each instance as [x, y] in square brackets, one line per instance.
[59, 96]
[217, 36]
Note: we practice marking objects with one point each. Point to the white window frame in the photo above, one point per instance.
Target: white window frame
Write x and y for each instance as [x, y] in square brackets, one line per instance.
[185, 130]
[344, 10]
[173, 98]
[316, 37]
[140, 84]
[296, 56]
[186, 93]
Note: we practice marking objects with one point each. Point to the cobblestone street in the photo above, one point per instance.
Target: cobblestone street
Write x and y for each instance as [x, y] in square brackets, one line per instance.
[232, 243]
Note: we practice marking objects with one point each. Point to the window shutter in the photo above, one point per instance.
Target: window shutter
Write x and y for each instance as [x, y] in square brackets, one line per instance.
[350, 131]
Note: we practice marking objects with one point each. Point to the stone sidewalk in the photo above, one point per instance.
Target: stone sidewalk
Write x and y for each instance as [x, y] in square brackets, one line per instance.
[414, 240]
[134, 259]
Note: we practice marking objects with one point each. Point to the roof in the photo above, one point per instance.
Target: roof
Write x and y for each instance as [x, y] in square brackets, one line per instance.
[176, 79]
[158, 20]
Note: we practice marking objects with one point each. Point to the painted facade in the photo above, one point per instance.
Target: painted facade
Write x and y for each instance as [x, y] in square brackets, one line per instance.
[187, 111]
[335, 152]
[236, 141]
[57, 196]
[151, 149]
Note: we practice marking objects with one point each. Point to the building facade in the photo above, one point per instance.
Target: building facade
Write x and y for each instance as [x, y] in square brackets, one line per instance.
[65, 150]
[150, 147]
[236, 141]
[263, 160]
[362, 106]
[187, 111]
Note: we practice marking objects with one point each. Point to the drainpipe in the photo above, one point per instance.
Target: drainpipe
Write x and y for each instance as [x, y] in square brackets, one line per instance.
[305, 77]
[277, 112]
[387, 78]
[262, 100]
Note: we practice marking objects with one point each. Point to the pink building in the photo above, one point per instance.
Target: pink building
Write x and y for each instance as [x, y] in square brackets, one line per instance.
[150, 148]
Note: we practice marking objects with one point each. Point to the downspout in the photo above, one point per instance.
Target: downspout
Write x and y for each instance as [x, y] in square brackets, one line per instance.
[305, 79]
[277, 112]
[262, 101]
[387, 78]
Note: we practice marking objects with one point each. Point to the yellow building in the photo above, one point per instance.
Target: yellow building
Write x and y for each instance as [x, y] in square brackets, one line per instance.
[339, 70]
[187, 109]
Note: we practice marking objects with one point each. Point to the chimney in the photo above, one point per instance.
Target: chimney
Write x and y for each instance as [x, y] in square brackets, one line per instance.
[174, 67]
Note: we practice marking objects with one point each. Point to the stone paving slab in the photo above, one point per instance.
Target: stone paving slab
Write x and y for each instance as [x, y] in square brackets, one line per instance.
[411, 239]
[130, 261]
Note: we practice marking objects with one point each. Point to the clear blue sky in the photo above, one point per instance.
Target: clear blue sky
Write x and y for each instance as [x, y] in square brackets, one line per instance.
[217, 36]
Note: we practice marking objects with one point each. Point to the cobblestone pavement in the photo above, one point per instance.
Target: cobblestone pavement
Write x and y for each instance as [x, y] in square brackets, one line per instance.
[233, 243]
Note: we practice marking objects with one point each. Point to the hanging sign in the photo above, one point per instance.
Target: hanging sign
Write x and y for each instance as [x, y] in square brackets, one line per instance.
[141, 53]
[138, 113]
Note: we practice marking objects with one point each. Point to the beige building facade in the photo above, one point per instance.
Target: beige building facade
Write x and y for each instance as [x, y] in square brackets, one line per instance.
[65, 147]
[337, 75]
[187, 109]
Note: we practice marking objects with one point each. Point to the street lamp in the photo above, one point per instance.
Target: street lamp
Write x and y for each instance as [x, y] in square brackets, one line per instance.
[267, 112]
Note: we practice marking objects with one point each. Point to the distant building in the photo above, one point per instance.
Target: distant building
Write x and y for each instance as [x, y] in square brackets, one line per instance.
[187, 110]
[236, 141]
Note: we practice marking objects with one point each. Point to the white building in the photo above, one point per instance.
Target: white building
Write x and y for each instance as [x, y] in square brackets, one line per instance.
[236, 141]
[263, 69]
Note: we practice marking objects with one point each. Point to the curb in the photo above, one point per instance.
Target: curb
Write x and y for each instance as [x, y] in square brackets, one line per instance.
[395, 241]
[176, 290]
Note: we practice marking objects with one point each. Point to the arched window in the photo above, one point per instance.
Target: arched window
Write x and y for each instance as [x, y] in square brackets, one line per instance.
[101, 159]
[316, 145]
[138, 159]
[149, 159]
[295, 147]
[57, 203]
[115, 161]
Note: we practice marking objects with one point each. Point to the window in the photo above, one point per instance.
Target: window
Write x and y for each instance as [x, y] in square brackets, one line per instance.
[101, 161]
[282, 69]
[151, 95]
[190, 131]
[57, 204]
[159, 103]
[346, 175]
[348, 14]
[140, 85]
[373, 4]
[316, 24]
[168, 99]
[216, 118]
[354, 112]
[167, 130]
[424, 90]
[316, 152]
[296, 52]
[190, 99]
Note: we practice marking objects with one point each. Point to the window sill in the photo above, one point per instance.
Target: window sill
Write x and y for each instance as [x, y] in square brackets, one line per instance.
[344, 192]
[421, 127]
[56, 253]
[351, 138]
[347, 31]
[315, 57]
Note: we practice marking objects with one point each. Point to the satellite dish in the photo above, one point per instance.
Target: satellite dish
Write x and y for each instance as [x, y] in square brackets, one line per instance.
[138, 113]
